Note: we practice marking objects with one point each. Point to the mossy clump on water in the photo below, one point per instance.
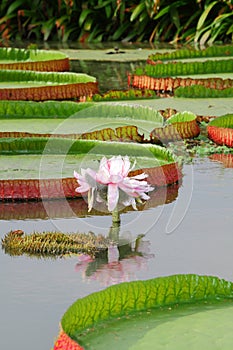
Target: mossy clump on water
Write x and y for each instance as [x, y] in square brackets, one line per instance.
[54, 244]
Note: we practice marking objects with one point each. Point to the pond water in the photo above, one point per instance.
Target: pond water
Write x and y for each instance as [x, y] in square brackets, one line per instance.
[191, 233]
[187, 229]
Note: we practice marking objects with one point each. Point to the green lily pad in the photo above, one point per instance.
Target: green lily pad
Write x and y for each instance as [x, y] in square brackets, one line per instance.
[203, 326]
[77, 118]
[33, 59]
[48, 158]
[37, 168]
[17, 55]
[220, 130]
[15, 78]
[209, 327]
[185, 310]
[40, 110]
[40, 86]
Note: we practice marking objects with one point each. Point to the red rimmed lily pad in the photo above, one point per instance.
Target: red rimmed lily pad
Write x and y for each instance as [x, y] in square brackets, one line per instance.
[160, 309]
[42, 86]
[182, 125]
[64, 342]
[169, 83]
[88, 120]
[49, 156]
[127, 133]
[220, 130]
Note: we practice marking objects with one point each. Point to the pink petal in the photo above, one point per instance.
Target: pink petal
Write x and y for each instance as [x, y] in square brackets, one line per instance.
[140, 176]
[113, 196]
[91, 198]
[125, 166]
[115, 165]
[76, 175]
[103, 174]
[130, 201]
[82, 188]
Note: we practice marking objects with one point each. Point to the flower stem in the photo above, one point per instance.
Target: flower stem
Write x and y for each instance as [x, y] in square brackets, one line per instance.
[115, 228]
[116, 216]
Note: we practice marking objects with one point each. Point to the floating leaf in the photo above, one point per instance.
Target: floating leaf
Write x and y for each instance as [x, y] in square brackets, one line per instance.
[49, 177]
[161, 297]
[220, 130]
[37, 60]
[179, 126]
[40, 86]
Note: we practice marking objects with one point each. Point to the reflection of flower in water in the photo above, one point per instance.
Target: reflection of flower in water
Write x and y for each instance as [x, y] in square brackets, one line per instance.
[121, 265]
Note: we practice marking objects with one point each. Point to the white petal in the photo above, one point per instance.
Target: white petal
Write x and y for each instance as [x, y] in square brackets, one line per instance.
[141, 176]
[90, 199]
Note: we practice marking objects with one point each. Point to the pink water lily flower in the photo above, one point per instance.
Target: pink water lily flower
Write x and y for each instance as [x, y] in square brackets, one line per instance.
[112, 178]
[114, 172]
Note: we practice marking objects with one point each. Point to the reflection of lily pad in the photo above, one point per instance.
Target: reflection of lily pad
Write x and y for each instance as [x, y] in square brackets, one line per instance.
[76, 208]
[158, 309]
[225, 159]
[38, 60]
[40, 86]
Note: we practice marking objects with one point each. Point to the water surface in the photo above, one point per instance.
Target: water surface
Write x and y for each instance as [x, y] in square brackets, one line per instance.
[191, 234]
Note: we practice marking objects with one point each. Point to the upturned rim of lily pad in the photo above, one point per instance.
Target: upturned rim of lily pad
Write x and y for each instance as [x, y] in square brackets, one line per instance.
[128, 298]
[220, 130]
[34, 59]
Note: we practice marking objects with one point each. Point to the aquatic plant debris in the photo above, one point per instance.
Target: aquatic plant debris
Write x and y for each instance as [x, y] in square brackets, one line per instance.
[54, 244]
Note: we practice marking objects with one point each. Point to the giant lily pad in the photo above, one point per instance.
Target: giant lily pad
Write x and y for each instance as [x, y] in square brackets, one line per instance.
[220, 130]
[184, 53]
[181, 125]
[142, 81]
[40, 110]
[159, 311]
[36, 168]
[103, 121]
[199, 91]
[40, 86]
[188, 68]
[37, 60]
[160, 76]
